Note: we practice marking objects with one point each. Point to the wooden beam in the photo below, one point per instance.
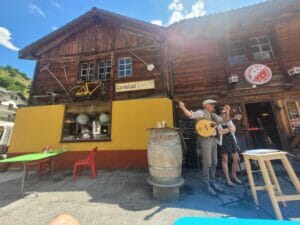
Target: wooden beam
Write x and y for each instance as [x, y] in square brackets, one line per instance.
[277, 50]
[32, 88]
[58, 40]
[74, 57]
[282, 198]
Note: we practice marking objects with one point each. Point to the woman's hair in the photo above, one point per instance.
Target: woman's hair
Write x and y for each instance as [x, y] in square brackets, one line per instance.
[218, 109]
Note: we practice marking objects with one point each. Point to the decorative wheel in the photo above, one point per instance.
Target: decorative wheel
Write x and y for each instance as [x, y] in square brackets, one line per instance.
[74, 93]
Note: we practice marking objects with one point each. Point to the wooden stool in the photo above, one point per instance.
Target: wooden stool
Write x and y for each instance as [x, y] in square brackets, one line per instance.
[264, 157]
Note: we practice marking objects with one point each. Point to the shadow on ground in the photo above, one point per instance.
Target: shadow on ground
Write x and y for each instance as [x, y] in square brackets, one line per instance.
[129, 192]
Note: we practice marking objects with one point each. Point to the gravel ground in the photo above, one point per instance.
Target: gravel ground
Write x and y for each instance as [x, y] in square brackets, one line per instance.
[124, 198]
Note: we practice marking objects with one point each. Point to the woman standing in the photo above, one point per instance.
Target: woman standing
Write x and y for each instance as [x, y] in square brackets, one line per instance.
[229, 146]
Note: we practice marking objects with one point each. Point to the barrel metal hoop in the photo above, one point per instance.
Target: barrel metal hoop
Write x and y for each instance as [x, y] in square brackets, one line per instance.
[165, 167]
[165, 183]
[166, 138]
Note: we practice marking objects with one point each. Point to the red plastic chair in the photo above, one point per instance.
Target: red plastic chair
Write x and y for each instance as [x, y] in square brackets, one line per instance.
[89, 161]
[42, 164]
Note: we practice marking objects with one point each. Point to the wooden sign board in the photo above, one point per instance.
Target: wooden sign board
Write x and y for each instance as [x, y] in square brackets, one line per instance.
[135, 86]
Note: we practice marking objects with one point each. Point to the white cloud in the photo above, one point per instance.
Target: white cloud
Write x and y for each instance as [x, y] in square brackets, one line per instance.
[157, 22]
[34, 9]
[5, 39]
[176, 5]
[175, 17]
[179, 12]
[53, 27]
[56, 4]
[197, 10]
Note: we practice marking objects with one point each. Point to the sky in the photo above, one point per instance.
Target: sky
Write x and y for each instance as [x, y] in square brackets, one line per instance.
[22, 22]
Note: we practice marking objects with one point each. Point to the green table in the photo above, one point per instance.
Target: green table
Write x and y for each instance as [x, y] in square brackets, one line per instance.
[26, 159]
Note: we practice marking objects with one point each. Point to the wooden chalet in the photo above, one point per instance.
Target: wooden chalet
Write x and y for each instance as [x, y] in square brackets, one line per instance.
[209, 57]
[99, 81]
[90, 48]
[137, 71]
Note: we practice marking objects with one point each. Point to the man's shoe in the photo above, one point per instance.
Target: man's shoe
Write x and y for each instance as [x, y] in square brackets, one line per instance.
[217, 188]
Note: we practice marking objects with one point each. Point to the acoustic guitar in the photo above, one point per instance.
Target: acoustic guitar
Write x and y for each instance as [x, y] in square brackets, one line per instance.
[206, 127]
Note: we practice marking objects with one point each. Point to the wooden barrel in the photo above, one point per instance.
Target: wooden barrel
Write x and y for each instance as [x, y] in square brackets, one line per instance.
[164, 156]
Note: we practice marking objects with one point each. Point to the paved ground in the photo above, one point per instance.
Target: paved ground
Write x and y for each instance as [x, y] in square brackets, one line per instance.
[124, 198]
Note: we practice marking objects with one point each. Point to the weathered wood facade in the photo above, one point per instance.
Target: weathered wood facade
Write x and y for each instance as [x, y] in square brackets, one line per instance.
[200, 51]
[106, 51]
[194, 60]
[97, 36]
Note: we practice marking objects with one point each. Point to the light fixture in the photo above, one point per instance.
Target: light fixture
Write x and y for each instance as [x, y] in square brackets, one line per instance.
[233, 79]
[265, 114]
[149, 67]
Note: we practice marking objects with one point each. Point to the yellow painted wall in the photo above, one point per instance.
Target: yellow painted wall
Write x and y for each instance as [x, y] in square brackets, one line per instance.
[36, 127]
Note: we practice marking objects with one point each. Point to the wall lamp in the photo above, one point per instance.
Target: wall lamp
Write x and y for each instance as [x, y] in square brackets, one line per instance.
[149, 67]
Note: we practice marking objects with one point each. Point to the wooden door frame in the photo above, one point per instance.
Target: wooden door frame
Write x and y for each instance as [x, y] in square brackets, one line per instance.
[244, 112]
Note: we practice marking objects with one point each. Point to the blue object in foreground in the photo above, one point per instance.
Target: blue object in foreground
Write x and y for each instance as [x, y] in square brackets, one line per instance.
[231, 221]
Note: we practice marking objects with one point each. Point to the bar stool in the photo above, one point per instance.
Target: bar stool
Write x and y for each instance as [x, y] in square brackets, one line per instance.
[264, 157]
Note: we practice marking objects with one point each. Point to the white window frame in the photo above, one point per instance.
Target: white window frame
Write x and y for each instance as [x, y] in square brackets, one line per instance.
[108, 69]
[236, 58]
[90, 71]
[127, 67]
[261, 55]
[106, 75]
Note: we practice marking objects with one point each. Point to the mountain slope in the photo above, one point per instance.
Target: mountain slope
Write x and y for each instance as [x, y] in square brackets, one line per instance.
[13, 79]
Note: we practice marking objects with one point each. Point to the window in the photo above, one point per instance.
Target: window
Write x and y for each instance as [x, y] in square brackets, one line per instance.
[261, 48]
[10, 106]
[10, 117]
[104, 70]
[236, 53]
[87, 71]
[293, 109]
[125, 67]
[87, 122]
[108, 69]
[13, 97]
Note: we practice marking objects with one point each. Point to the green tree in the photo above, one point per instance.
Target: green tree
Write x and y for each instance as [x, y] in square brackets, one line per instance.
[6, 82]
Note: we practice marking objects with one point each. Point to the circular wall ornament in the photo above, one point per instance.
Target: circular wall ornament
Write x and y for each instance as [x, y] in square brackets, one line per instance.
[258, 74]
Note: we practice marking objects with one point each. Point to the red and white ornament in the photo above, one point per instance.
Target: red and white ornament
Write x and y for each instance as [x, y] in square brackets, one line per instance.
[258, 74]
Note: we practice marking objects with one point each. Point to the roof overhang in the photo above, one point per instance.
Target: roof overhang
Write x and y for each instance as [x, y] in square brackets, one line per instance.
[34, 50]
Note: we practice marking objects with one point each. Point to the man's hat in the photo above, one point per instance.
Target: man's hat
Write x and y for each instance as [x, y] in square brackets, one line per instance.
[209, 101]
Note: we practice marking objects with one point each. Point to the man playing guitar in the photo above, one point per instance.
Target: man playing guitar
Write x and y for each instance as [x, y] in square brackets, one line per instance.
[208, 144]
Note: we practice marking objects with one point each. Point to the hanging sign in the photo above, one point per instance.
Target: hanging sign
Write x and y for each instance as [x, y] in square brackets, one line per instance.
[135, 86]
[258, 74]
